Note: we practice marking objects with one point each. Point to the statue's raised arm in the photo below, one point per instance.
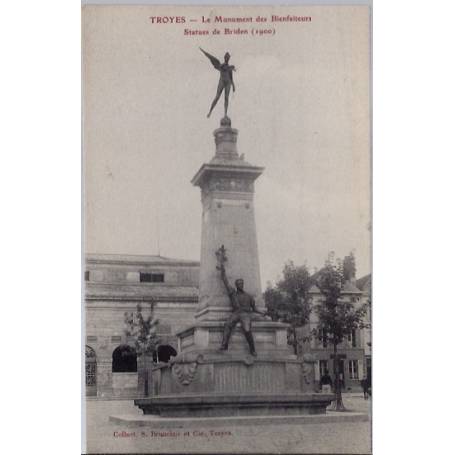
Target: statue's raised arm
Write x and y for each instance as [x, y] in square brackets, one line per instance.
[222, 258]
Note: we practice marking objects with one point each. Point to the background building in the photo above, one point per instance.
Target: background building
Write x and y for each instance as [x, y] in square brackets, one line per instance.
[115, 284]
[355, 352]
[364, 284]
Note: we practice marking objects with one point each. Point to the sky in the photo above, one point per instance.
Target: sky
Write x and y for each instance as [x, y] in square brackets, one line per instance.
[302, 108]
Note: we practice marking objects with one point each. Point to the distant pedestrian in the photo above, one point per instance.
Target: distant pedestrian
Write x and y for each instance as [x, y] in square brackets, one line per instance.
[365, 387]
[326, 383]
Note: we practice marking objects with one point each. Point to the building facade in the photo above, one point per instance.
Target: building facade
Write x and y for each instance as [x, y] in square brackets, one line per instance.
[354, 354]
[115, 284]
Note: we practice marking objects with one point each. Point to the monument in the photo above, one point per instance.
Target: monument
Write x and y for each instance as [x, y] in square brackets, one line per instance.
[232, 360]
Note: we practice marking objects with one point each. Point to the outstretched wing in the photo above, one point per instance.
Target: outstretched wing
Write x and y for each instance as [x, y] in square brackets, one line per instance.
[215, 62]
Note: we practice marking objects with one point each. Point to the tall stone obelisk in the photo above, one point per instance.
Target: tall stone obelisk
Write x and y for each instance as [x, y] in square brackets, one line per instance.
[227, 193]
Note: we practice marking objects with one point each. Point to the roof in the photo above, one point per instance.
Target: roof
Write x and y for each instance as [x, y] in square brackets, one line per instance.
[364, 283]
[130, 259]
[314, 290]
[350, 288]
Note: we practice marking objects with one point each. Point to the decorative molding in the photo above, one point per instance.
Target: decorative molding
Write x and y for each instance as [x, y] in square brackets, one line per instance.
[89, 353]
[238, 169]
[248, 360]
[236, 184]
[135, 298]
[184, 367]
[141, 260]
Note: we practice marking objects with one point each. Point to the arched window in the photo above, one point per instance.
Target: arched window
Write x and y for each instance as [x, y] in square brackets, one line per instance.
[124, 359]
[165, 352]
[90, 370]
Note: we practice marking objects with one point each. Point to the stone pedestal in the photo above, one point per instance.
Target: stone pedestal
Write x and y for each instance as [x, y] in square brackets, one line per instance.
[227, 191]
[144, 375]
[203, 381]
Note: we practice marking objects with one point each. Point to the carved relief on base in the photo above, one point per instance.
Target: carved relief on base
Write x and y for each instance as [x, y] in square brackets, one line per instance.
[184, 367]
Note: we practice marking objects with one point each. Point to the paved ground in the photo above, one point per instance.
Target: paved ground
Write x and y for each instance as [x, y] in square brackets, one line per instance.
[106, 437]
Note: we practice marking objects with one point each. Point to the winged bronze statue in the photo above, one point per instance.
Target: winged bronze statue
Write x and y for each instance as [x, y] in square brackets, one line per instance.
[225, 82]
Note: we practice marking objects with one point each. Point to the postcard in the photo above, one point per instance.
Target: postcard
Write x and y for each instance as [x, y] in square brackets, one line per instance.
[227, 229]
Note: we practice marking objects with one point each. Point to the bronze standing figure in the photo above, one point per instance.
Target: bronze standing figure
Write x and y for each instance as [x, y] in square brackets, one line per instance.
[225, 82]
[243, 307]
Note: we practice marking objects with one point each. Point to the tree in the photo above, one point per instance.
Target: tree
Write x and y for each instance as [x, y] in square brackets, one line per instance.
[337, 316]
[142, 330]
[289, 301]
[146, 341]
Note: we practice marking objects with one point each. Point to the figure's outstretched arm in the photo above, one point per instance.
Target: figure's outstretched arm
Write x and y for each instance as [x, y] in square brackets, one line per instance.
[215, 62]
[221, 257]
[228, 287]
[255, 310]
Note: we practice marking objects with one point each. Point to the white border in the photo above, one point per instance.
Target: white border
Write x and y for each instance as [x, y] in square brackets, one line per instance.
[413, 226]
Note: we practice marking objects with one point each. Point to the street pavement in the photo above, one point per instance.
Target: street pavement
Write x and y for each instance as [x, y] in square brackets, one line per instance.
[103, 436]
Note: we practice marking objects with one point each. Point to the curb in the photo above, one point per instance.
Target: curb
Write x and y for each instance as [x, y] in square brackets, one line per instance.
[177, 422]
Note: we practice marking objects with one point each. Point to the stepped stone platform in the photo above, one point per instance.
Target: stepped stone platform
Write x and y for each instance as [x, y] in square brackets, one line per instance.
[157, 422]
[230, 404]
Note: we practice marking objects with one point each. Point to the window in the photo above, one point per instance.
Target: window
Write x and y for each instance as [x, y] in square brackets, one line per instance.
[164, 353]
[90, 371]
[353, 369]
[145, 277]
[124, 360]
[323, 367]
[87, 275]
[352, 340]
[157, 277]
[368, 364]
[151, 277]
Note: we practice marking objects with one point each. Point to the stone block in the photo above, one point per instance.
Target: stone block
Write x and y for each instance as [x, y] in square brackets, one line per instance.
[205, 405]
[125, 384]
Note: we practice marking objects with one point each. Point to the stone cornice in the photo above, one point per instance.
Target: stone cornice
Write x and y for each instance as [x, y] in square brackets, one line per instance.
[140, 261]
[207, 169]
[136, 298]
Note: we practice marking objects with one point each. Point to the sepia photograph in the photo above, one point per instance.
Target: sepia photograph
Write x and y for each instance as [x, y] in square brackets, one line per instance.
[227, 226]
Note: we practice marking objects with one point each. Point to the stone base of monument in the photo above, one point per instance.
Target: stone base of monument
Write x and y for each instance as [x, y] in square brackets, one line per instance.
[205, 382]
[230, 404]
[167, 423]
